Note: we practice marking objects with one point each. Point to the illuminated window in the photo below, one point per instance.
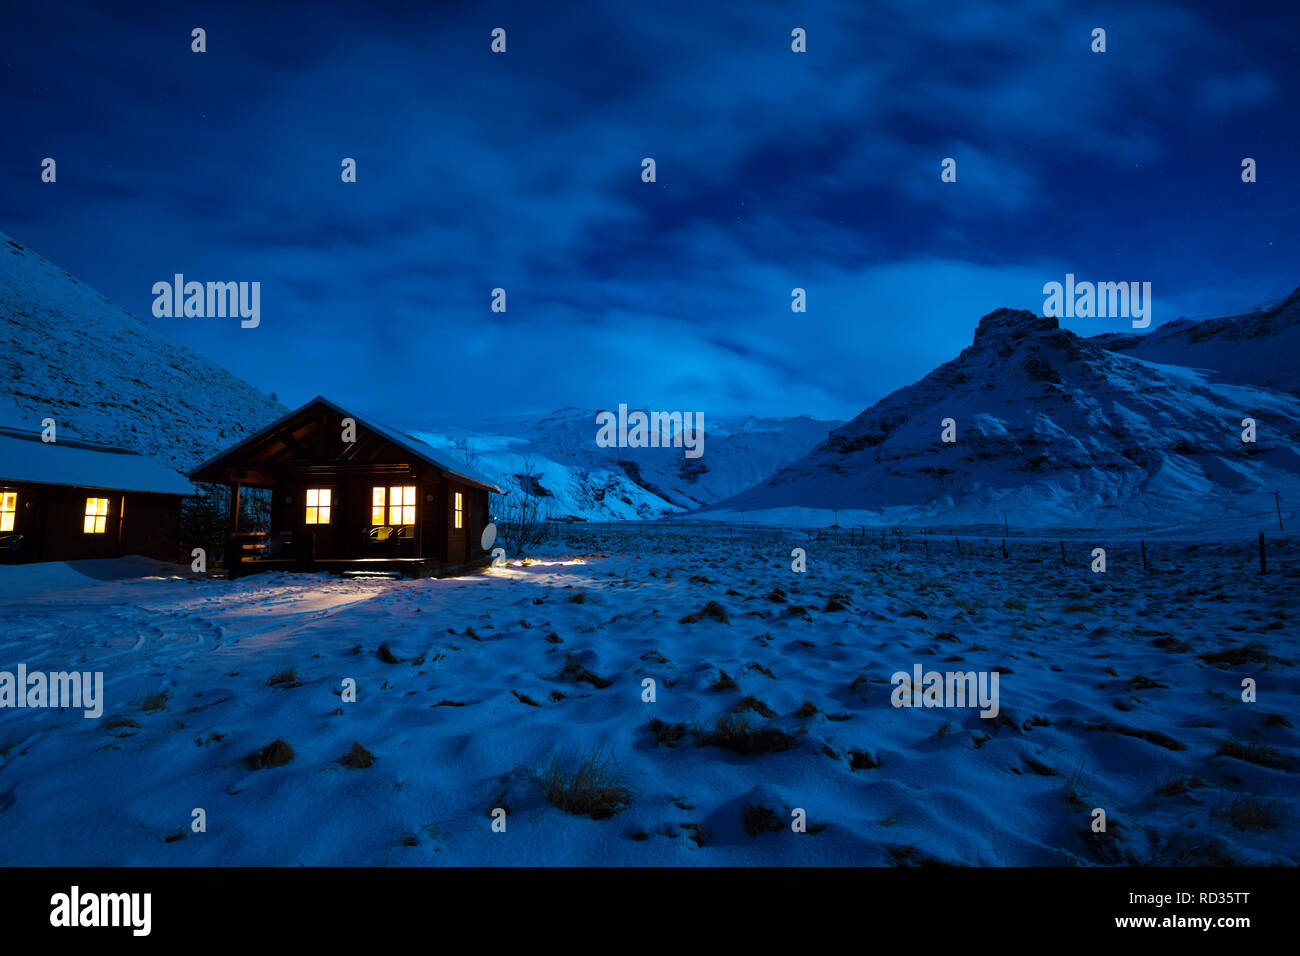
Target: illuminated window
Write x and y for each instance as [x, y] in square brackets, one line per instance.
[377, 502]
[8, 505]
[318, 506]
[96, 515]
[401, 506]
[460, 511]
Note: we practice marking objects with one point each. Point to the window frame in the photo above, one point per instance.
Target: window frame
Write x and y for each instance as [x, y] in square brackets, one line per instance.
[95, 521]
[328, 507]
[458, 510]
[8, 516]
[399, 504]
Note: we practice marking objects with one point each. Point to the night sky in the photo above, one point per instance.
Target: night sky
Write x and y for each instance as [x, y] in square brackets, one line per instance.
[522, 170]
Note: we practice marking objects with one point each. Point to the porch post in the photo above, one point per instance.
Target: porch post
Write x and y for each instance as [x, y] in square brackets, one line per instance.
[234, 507]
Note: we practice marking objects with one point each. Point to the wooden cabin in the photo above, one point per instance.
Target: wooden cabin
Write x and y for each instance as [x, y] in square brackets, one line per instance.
[72, 500]
[350, 494]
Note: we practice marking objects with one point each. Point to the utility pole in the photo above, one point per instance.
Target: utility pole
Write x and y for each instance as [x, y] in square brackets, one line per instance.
[1278, 502]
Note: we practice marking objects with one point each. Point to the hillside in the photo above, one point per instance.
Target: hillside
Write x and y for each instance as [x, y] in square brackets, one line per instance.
[579, 479]
[1256, 348]
[1057, 430]
[68, 353]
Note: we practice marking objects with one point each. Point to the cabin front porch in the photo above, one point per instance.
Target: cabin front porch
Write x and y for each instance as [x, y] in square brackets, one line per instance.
[252, 552]
[244, 565]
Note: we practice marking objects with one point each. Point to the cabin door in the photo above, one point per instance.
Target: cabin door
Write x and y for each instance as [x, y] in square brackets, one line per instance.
[321, 516]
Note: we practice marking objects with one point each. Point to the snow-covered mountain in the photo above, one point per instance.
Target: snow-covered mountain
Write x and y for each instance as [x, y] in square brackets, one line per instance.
[1115, 430]
[1256, 348]
[68, 353]
[578, 479]
[1060, 430]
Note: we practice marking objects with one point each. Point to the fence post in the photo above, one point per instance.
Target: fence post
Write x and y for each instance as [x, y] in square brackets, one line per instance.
[1062, 552]
[1263, 567]
[1145, 566]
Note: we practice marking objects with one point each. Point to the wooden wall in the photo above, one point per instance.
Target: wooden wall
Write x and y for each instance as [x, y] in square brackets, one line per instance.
[346, 536]
[51, 520]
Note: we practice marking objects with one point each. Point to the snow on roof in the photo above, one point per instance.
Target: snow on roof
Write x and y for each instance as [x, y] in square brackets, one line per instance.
[426, 452]
[25, 458]
[434, 456]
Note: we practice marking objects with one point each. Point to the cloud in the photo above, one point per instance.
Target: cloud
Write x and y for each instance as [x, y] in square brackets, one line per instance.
[522, 171]
[1224, 94]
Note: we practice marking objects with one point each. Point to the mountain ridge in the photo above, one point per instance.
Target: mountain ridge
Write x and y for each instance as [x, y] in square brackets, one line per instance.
[1054, 427]
[102, 373]
[586, 482]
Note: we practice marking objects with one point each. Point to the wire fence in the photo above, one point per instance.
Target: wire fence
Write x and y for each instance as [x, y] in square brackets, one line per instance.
[1166, 550]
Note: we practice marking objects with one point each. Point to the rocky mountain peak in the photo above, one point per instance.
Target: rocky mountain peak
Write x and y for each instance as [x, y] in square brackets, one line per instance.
[1010, 325]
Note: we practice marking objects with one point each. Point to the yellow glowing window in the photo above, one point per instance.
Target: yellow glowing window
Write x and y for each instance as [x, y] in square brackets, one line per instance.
[318, 506]
[96, 516]
[377, 502]
[460, 511]
[8, 505]
[401, 506]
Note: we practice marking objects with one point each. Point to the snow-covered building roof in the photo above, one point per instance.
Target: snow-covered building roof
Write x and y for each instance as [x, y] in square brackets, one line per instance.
[83, 464]
[438, 458]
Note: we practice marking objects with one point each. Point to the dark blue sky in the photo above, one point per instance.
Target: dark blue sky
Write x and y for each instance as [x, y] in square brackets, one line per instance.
[522, 170]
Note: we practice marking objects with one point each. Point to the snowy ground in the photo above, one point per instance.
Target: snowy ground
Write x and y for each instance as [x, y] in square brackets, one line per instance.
[1111, 697]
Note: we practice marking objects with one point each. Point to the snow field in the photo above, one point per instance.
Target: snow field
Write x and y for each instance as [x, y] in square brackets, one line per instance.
[1119, 691]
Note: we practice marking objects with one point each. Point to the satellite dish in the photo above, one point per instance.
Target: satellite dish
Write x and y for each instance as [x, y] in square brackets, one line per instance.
[489, 536]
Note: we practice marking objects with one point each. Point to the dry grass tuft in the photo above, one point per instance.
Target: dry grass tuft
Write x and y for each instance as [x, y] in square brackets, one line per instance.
[1248, 812]
[667, 734]
[1236, 656]
[713, 610]
[591, 785]
[573, 671]
[724, 682]
[760, 820]
[358, 758]
[735, 733]
[863, 760]
[754, 704]
[1261, 755]
[275, 754]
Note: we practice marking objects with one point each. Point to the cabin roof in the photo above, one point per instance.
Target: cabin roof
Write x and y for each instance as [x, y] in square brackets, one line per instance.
[437, 457]
[83, 464]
